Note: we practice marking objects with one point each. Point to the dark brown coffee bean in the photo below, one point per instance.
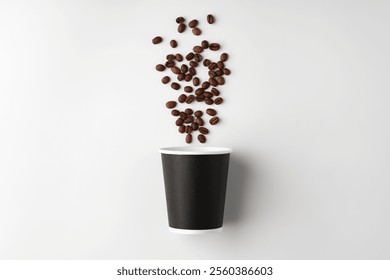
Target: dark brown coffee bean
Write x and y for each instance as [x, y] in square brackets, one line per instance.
[188, 77]
[212, 66]
[209, 101]
[181, 76]
[214, 120]
[206, 62]
[173, 43]
[192, 71]
[201, 138]
[179, 20]
[193, 63]
[210, 19]
[214, 46]
[203, 130]
[179, 57]
[196, 81]
[197, 49]
[175, 112]
[175, 86]
[219, 72]
[221, 80]
[160, 67]
[218, 100]
[194, 126]
[188, 89]
[205, 44]
[184, 68]
[170, 57]
[157, 40]
[199, 121]
[183, 115]
[207, 94]
[171, 104]
[189, 138]
[211, 112]
[226, 71]
[196, 31]
[165, 80]
[181, 28]
[182, 98]
[198, 57]
[190, 99]
[169, 64]
[220, 65]
[175, 70]
[224, 57]
[182, 128]
[190, 56]
[188, 129]
[179, 122]
[198, 113]
[213, 82]
[199, 98]
[199, 91]
[193, 23]
[215, 91]
[212, 74]
[188, 111]
[189, 119]
[205, 85]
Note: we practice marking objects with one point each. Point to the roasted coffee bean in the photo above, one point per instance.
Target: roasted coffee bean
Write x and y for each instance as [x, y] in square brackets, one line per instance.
[175, 70]
[181, 76]
[224, 57]
[188, 111]
[184, 68]
[211, 112]
[199, 121]
[197, 49]
[157, 40]
[165, 80]
[205, 85]
[205, 44]
[203, 130]
[209, 101]
[214, 46]
[189, 119]
[179, 20]
[192, 71]
[171, 104]
[170, 57]
[199, 91]
[221, 80]
[207, 94]
[193, 23]
[214, 120]
[201, 138]
[193, 63]
[196, 81]
[182, 98]
[183, 115]
[175, 112]
[188, 129]
[179, 122]
[190, 56]
[160, 67]
[188, 77]
[173, 43]
[179, 57]
[213, 82]
[181, 28]
[210, 19]
[169, 64]
[215, 91]
[198, 113]
[219, 72]
[189, 138]
[220, 65]
[194, 126]
[218, 100]
[212, 74]
[212, 66]
[206, 62]
[175, 86]
[226, 71]
[182, 128]
[188, 89]
[190, 99]
[199, 98]
[198, 57]
[196, 31]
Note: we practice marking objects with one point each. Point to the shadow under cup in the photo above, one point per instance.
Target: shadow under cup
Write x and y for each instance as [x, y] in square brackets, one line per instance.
[195, 181]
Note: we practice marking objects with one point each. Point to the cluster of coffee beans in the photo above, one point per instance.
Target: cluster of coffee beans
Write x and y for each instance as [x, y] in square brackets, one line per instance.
[184, 67]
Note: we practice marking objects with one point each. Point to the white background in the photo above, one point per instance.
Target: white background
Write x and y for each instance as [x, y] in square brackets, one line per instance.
[82, 117]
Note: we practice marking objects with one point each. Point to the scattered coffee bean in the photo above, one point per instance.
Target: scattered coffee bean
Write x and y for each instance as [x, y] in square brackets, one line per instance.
[214, 120]
[194, 126]
[226, 71]
[175, 70]
[179, 20]
[208, 101]
[157, 40]
[196, 31]
[188, 129]
[212, 66]
[188, 77]
[171, 104]
[183, 115]
[170, 57]
[193, 23]
[179, 122]
[198, 114]
[193, 63]
[182, 128]
[184, 68]
[218, 100]
[188, 111]
[219, 72]
[175, 112]
[189, 138]
[201, 138]
[165, 80]
[221, 80]
[188, 89]
[215, 91]
[192, 71]
[214, 46]
[199, 91]
[197, 49]
[175, 86]
[181, 28]
[210, 19]
[203, 130]
[198, 57]
[199, 121]
[213, 82]
[205, 85]
[199, 98]
[181, 76]
[205, 44]
[212, 74]
[207, 94]
[206, 62]
[190, 99]
[211, 112]
[189, 119]
[182, 98]
[196, 81]
[224, 57]
[173, 43]
[160, 67]
[190, 56]
[220, 65]
[179, 57]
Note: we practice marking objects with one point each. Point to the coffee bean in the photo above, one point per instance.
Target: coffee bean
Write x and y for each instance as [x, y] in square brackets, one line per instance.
[179, 19]
[171, 104]
[214, 46]
[190, 56]
[205, 85]
[189, 119]
[182, 128]
[199, 91]
[179, 122]
[221, 80]
[215, 91]
[173, 43]
[157, 40]
[209, 101]
[212, 66]
[170, 57]
[224, 57]
[211, 112]
[188, 89]
[220, 65]
[206, 62]
[205, 44]
[175, 86]
[189, 138]
[201, 138]
[160, 67]
[184, 68]
[179, 57]
[165, 80]
[213, 82]
[188, 129]
[193, 23]
[194, 126]
[192, 71]
[190, 99]
[199, 121]
[193, 63]
[196, 31]
[197, 49]
[182, 98]
[203, 130]
[198, 114]
[175, 70]
[218, 100]
[199, 98]
[196, 81]
[169, 64]
[207, 94]
[226, 71]
[212, 74]
[183, 115]
[214, 120]
[175, 112]
[181, 28]
[181, 76]
[198, 57]
[210, 19]
[188, 77]
[188, 111]
[219, 72]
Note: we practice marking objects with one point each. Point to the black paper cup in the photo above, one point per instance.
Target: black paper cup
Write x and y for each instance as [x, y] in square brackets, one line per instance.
[195, 187]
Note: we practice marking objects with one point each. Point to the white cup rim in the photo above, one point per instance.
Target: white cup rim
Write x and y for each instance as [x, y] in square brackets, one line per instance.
[195, 150]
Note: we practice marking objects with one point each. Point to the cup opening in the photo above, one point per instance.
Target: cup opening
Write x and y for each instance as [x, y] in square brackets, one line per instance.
[190, 150]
